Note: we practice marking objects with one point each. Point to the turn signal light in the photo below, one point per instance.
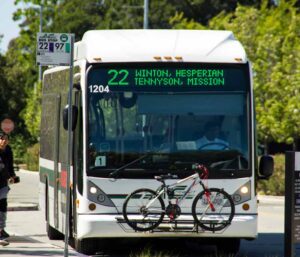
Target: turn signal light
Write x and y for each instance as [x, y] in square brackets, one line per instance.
[92, 206]
[246, 207]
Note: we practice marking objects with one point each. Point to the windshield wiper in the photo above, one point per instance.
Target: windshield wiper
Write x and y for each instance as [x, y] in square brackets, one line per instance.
[115, 172]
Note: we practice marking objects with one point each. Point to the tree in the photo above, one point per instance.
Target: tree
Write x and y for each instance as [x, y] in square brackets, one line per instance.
[77, 16]
[271, 39]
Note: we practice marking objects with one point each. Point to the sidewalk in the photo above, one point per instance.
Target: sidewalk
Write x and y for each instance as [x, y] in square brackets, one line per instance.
[24, 195]
[26, 224]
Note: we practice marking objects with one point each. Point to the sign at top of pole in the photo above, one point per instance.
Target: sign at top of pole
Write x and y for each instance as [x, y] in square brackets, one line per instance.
[54, 49]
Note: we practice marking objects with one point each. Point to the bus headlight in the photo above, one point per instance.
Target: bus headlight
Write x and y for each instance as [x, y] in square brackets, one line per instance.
[244, 190]
[243, 194]
[93, 190]
[96, 195]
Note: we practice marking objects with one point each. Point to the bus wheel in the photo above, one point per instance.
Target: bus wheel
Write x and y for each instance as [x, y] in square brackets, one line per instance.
[53, 234]
[227, 246]
[86, 246]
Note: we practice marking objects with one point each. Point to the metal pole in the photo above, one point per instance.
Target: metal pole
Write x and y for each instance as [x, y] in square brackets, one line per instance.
[289, 248]
[69, 151]
[146, 11]
[41, 30]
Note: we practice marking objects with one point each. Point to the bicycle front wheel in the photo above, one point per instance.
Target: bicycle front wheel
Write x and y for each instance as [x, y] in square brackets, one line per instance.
[213, 210]
[143, 210]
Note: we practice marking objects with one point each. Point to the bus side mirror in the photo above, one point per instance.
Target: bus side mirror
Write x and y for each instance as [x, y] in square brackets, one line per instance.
[74, 117]
[266, 166]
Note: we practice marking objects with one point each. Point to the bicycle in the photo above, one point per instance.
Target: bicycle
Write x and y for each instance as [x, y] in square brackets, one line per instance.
[212, 209]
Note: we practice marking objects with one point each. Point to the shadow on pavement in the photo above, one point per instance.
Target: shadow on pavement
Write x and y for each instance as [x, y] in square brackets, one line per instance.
[26, 246]
[158, 247]
[266, 245]
[24, 251]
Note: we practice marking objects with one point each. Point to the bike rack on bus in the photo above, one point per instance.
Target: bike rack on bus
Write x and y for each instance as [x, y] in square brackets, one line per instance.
[176, 226]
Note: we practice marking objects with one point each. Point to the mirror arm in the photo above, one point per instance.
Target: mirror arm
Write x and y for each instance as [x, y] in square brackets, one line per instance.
[261, 177]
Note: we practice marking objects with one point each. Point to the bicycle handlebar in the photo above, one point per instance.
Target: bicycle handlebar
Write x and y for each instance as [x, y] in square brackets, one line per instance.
[202, 171]
[165, 176]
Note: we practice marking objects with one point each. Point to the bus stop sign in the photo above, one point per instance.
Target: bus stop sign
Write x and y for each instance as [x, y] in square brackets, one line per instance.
[53, 49]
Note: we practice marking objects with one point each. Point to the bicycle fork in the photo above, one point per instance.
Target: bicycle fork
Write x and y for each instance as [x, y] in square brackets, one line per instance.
[207, 195]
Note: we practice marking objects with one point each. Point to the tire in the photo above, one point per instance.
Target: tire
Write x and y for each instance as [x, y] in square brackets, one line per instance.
[53, 234]
[228, 246]
[213, 220]
[136, 216]
[88, 246]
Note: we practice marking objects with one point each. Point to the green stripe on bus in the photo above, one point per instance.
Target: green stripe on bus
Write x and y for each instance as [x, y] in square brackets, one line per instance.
[45, 172]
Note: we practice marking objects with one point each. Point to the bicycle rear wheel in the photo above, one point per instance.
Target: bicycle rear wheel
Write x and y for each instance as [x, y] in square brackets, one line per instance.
[138, 215]
[217, 215]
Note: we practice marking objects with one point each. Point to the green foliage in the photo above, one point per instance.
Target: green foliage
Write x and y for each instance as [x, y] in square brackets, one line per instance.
[18, 71]
[32, 113]
[32, 157]
[270, 36]
[18, 145]
[275, 185]
[3, 83]
[148, 251]
[180, 22]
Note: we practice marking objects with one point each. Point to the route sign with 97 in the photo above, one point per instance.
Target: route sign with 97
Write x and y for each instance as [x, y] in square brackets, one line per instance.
[53, 49]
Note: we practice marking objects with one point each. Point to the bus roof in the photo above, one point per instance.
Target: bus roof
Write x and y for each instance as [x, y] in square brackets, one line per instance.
[107, 46]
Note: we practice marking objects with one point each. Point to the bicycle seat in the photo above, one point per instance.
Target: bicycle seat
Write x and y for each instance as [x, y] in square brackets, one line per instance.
[163, 177]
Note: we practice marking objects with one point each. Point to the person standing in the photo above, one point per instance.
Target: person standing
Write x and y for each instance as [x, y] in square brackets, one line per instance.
[7, 175]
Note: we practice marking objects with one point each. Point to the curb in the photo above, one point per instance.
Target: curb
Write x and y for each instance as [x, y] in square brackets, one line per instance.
[268, 199]
[32, 207]
[28, 171]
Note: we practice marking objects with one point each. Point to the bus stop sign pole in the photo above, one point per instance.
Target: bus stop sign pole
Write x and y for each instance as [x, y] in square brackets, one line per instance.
[67, 217]
[58, 49]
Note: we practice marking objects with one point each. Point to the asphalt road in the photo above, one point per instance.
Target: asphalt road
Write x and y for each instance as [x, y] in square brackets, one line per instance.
[29, 236]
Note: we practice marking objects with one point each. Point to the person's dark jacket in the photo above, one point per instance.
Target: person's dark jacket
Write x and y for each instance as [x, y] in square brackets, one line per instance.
[8, 170]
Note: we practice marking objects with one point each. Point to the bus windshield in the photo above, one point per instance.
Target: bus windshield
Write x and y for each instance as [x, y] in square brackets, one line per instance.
[147, 130]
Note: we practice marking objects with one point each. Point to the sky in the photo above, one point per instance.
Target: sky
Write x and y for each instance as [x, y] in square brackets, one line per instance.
[8, 28]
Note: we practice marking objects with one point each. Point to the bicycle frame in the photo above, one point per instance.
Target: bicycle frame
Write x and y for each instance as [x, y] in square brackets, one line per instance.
[196, 179]
[205, 215]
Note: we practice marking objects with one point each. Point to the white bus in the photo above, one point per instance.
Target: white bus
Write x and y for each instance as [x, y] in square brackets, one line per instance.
[177, 97]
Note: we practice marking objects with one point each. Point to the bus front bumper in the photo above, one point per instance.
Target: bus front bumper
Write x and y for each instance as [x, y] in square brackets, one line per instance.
[112, 226]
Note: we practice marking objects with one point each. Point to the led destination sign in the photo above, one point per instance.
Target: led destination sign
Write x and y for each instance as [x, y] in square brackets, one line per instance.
[191, 78]
[166, 77]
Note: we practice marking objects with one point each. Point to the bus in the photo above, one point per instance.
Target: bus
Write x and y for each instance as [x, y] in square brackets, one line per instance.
[147, 103]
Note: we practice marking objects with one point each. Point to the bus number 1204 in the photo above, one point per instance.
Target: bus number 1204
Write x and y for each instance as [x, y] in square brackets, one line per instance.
[99, 89]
